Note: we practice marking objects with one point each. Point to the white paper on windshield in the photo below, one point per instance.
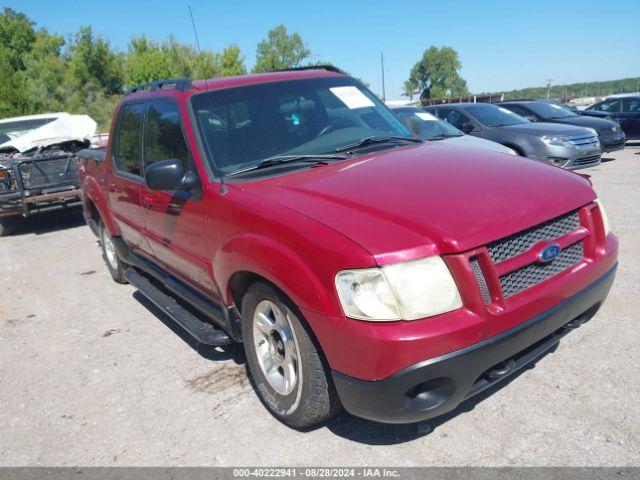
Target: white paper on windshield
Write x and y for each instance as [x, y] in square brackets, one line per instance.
[351, 97]
[426, 116]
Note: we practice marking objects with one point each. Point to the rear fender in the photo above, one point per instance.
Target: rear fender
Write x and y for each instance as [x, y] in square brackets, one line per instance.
[93, 191]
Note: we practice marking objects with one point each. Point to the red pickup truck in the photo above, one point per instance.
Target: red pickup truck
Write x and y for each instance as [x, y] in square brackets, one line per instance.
[360, 266]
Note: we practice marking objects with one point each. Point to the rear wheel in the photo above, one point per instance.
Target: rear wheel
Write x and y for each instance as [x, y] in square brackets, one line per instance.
[286, 367]
[110, 255]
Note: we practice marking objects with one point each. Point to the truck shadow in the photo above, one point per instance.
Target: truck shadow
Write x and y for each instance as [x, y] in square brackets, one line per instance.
[234, 352]
[374, 433]
[47, 223]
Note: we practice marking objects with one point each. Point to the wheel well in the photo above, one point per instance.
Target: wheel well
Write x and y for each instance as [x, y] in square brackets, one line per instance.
[240, 283]
[517, 149]
[93, 211]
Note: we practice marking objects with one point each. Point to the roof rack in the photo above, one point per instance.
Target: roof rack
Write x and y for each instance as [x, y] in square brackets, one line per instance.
[329, 68]
[181, 84]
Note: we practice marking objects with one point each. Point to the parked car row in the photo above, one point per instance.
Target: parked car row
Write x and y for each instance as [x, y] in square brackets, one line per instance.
[539, 129]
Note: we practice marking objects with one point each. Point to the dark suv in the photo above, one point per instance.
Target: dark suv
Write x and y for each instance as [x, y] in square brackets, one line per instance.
[623, 109]
[562, 145]
[610, 134]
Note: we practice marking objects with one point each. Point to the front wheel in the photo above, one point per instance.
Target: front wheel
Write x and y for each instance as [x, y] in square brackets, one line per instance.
[286, 367]
[110, 255]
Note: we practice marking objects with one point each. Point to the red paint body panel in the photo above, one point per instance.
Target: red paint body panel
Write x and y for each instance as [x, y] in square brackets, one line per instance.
[298, 230]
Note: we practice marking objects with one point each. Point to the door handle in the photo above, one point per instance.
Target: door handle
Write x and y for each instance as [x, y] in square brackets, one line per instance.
[147, 202]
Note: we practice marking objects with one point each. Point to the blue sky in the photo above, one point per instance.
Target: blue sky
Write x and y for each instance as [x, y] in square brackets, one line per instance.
[502, 44]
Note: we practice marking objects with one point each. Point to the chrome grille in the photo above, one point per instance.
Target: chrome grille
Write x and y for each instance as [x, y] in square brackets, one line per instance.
[584, 141]
[535, 273]
[49, 172]
[517, 244]
[482, 282]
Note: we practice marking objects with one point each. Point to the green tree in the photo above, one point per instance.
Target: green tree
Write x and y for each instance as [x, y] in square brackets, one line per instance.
[17, 35]
[232, 61]
[280, 50]
[436, 75]
[91, 60]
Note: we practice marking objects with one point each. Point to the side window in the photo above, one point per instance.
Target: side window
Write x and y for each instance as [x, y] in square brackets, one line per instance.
[454, 118]
[609, 106]
[163, 138]
[127, 142]
[631, 105]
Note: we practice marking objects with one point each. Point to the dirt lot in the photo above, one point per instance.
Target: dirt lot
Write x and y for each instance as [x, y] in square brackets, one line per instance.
[92, 374]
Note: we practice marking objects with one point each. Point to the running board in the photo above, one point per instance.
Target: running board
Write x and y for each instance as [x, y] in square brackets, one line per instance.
[201, 331]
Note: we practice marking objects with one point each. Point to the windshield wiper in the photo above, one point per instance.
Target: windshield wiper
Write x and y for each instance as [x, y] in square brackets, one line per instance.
[442, 136]
[280, 159]
[376, 139]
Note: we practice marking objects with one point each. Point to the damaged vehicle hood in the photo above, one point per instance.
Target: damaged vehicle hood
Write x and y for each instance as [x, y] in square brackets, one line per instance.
[21, 134]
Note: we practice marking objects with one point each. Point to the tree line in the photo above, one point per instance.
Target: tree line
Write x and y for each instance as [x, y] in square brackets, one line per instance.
[83, 73]
[573, 90]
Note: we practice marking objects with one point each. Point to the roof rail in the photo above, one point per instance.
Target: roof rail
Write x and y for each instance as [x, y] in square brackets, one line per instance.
[329, 68]
[181, 84]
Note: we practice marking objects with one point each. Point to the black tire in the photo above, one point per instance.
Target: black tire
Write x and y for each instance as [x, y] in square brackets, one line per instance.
[7, 224]
[314, 398]
[117, 270]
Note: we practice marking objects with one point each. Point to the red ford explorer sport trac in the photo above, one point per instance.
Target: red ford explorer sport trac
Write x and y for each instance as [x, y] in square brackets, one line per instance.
[360, 266]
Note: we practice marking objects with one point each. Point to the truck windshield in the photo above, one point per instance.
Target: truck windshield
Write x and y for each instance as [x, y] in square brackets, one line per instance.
[241, 126]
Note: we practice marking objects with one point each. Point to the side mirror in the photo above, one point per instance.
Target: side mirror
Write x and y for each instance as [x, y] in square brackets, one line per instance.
[531, 118]
[466, 127]
[169, 175]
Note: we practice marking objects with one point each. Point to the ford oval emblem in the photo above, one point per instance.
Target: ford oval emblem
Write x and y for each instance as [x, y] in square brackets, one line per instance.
[549, 253]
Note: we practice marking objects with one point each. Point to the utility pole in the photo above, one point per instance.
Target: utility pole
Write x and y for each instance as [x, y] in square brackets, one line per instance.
[384, 94]
[549, 80]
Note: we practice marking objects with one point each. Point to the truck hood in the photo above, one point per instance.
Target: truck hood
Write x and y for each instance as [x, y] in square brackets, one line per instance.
[543, 128]
[427, 199]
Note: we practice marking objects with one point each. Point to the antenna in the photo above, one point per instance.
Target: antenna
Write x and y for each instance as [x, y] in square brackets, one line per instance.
[223, 188]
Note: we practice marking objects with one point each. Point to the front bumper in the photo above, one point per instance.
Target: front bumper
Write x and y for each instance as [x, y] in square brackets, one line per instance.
[438, 385]
[26, 204]
[612, 144]
[571, 158]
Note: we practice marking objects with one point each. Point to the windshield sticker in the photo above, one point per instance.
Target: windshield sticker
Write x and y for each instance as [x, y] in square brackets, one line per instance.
[351, 97]
[426, 116]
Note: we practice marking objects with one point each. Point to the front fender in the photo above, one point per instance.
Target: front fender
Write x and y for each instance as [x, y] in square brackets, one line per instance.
[279, 264]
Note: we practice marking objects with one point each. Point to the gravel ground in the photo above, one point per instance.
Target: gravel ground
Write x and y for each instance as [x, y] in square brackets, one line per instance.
[92, 374]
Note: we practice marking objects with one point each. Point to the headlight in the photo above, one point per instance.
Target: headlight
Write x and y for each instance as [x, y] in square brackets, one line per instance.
[401, 291]
[605, 218]
[557, 141]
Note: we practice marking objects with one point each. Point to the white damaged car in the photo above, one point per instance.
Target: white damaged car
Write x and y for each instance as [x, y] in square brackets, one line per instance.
[38, 164]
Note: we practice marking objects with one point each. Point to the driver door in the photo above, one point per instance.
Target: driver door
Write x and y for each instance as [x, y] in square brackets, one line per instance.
[175, 219]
